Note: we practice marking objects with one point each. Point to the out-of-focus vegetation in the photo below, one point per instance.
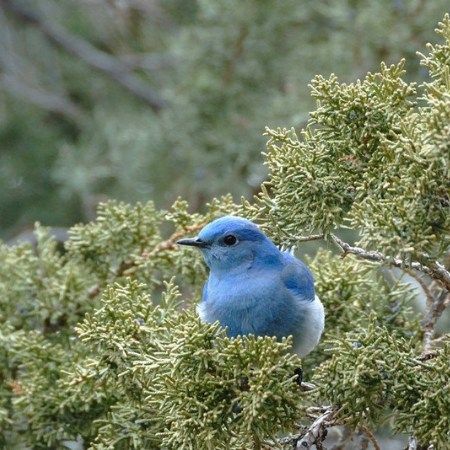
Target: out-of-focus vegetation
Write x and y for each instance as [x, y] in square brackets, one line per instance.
[139, 99]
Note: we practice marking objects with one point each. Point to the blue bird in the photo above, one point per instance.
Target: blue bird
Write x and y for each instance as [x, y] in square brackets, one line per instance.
[254, 288]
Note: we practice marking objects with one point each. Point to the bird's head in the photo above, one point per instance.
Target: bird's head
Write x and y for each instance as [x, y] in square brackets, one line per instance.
[233, 243]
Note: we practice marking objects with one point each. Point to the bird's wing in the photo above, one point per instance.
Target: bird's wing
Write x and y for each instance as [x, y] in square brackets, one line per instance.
[297, 278]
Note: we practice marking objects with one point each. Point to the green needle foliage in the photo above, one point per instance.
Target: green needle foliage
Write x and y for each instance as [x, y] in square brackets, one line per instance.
[39, 288]
[374, 372]
[338, 284]
[100, 345]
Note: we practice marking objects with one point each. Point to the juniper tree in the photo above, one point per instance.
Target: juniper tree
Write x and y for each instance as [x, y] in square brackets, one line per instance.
[101, 344]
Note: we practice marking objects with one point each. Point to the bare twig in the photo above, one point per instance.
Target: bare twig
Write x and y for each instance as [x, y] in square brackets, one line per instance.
[127, 268]
[101, 61]
[307, 387]
[435, 311]
[371, 437]
[438, 272]
[168, 244]
[433, 269]
[311, 237]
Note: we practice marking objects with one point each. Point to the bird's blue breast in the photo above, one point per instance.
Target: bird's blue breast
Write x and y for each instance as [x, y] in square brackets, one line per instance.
[266, 299]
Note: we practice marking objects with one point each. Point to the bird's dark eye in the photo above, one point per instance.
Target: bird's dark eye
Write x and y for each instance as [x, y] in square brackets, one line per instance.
[229, 239]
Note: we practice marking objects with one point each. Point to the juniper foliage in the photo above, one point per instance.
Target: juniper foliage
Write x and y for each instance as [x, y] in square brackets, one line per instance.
[374, 157]
[101, 344]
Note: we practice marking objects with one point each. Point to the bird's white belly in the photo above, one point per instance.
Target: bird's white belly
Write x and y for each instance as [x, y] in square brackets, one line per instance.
[201, 311]
[312, 328]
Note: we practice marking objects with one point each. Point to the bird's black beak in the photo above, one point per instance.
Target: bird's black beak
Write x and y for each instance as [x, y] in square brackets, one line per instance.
[194, 242]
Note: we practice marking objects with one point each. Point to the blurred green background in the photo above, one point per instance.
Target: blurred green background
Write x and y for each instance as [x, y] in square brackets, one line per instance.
[148, 99]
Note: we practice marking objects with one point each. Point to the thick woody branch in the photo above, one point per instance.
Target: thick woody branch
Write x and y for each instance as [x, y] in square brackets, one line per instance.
[412, 444]
[83, 50]
[321, 422]
[316, 432]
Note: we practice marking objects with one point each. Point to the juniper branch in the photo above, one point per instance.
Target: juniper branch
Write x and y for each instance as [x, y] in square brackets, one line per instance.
[311, 237]
[371, 438]
[412, 443]
[315, 433]
[168, 244]
[433, 269]
[434, 312]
